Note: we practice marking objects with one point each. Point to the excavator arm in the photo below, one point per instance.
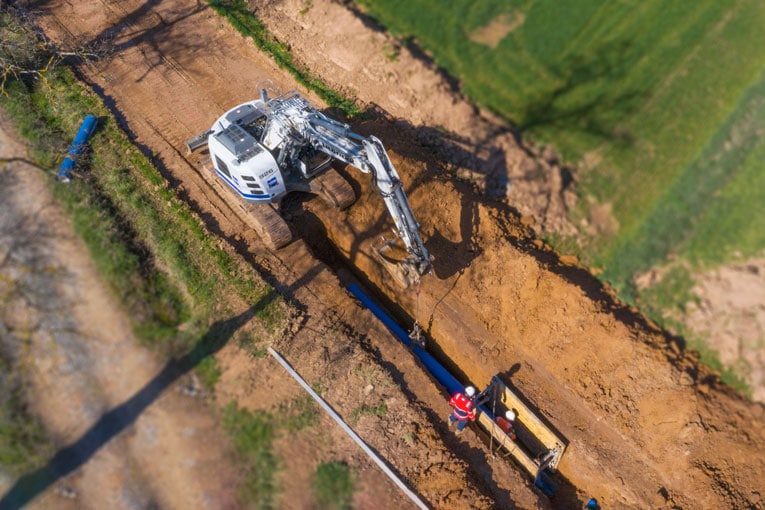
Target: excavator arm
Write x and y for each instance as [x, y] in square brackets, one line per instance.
[368, 155]
[295, 123]
[390, 188]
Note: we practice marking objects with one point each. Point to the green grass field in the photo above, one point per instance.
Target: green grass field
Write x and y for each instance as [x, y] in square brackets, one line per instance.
[664, 100]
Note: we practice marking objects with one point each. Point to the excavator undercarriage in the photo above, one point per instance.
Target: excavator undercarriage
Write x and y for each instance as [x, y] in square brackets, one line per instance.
[262, 217]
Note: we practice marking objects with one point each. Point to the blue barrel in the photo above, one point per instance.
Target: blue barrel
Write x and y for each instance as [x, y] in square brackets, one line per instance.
[79, 144]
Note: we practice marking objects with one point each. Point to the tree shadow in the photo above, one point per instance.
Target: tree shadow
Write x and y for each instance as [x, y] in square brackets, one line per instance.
[144, 25]
[115, 421]
[580, 100]
[588, 96]
[22, 237]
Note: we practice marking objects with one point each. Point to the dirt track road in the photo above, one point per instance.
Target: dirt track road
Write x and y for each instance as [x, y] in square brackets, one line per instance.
[647, 426]
[131, 438]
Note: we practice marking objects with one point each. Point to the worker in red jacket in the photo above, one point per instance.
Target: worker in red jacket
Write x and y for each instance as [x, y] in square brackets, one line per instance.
[506, 424]
[463, 408]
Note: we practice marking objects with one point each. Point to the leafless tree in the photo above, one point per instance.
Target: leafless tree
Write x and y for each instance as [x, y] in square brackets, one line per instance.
[25, 52]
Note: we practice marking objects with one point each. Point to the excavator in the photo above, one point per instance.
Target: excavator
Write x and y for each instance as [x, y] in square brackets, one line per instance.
[263, 149]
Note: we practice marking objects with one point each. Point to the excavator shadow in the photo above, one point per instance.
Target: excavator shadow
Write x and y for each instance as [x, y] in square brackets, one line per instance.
[439, 152]
[419, 144]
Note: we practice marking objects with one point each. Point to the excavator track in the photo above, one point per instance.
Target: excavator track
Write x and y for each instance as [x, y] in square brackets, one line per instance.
[263, 218]
[268, 223]
[334, 189]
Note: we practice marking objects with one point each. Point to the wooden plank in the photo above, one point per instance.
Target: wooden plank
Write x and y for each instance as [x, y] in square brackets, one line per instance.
[531, 421]
[508, 444]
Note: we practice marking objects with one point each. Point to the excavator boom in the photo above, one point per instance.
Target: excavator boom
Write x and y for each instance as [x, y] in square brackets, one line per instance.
[306, 125]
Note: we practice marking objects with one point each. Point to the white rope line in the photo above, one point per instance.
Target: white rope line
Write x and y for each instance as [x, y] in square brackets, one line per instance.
[415, 499]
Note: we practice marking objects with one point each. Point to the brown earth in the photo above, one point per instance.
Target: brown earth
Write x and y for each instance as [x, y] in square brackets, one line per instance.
[731, 312]
[648, 427]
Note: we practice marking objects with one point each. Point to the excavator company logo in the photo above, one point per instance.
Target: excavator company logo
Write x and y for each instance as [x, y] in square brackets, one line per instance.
[273, 181]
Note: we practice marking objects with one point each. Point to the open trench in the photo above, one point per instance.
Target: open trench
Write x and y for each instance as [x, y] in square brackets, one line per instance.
[498, 301]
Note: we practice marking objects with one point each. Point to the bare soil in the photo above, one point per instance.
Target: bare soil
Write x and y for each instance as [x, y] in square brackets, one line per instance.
[731, 312]
[647, 425]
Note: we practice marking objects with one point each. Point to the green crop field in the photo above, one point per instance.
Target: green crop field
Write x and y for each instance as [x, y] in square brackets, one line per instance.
[659, 106]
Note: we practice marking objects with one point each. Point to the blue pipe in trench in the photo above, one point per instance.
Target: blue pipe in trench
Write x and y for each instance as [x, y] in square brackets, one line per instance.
[441, 374]
[542, 480]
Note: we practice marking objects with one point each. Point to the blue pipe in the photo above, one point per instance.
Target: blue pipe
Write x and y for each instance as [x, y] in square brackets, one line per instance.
[437, 369]
[542, 480]
[441, 374]
[86, 130]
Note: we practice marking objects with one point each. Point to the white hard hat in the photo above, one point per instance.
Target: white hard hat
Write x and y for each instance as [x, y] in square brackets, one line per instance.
[510, 415]
[469, 391]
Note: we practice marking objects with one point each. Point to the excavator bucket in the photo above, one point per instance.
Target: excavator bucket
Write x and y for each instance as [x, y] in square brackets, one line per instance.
[538, 446]
[395, 259]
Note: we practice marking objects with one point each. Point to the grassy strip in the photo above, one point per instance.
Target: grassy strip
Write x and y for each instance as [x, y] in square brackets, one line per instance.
[253, 437]
[244, 20]
[147, 244]
[333, 486]
[681, 218]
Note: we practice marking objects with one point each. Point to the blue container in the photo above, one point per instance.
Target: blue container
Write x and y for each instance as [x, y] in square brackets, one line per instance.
[79, 144]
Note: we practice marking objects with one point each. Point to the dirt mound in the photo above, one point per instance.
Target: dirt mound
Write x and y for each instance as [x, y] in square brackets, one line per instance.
[352, 55]
[647, 425]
